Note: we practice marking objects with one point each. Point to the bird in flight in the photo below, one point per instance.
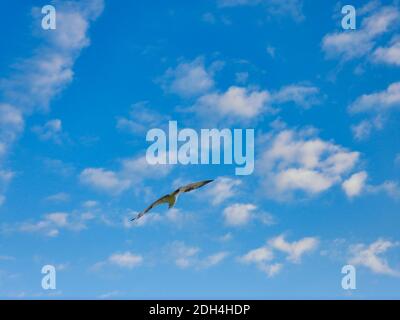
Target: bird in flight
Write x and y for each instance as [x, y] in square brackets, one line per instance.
[172, 197]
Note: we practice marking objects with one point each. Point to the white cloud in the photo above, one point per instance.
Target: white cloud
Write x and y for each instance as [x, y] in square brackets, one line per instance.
[52, 223]
[49, 70]
[300, 161]
[355, 184]
[243, 104]
[380, 102]
[51, 130]
[236, 102]
[363, 130]
[11, 124]
[223, 189]
[213, 259]
[352, 44]
[238, 214]
[185, 256]
[371, 256]
[36, 80]
[263, 257]
[258, 255]
[103, 180]
[188, 79]
[131, 172]
[271, 269]
[125, 260]
[304, 96]
[296, 249]
[391, 188]
[388, 55]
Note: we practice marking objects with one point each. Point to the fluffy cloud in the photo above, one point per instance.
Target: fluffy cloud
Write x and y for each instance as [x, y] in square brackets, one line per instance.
[356, 43]
[355, 184]
[236, 102]
[188, 79]
[103, 180]
[296, 249]
[264, 256]
[388, 55]
[380, 105]
[258, 255]
[299, 161]
[223, 189]
[379, 102]
[371, 256]
[126, 260]
[238, 214]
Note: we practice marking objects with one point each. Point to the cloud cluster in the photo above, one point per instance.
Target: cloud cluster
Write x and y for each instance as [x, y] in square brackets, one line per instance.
[351, 44]
[37, 79]
[264, 256]
[236, 103]
[379, 105]
[51, 224]
[294, 161]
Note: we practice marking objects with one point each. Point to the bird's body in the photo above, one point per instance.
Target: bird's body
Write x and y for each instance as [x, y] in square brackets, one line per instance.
[171, 198]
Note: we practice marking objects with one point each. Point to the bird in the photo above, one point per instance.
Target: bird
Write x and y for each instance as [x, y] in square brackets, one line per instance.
[173, 196]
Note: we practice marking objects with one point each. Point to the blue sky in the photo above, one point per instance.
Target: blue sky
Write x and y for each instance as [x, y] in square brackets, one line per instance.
[75, 106]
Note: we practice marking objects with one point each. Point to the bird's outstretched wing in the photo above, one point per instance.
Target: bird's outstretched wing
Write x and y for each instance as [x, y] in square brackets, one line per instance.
[162, 200]
[191, 186]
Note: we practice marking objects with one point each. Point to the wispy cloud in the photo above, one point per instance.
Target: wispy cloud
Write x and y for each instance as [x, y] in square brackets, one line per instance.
[371, 256]
[38, 79]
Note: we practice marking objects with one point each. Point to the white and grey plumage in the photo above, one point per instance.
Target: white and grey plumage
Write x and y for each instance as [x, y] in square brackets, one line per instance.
[172, 197]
